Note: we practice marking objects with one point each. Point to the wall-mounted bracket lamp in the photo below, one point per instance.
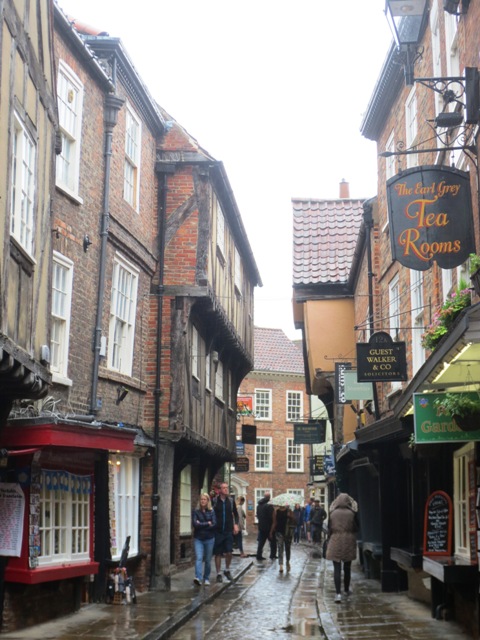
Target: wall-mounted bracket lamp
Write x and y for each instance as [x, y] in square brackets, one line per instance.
[121, 394]
[86, 242]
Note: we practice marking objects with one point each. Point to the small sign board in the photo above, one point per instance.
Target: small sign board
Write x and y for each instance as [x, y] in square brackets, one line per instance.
[242, 464]
[317, 466]
[311, 432]
[249, 434]
[340, 369]
[355, 390]
[381, 359]
[437, 531]
[240, 448]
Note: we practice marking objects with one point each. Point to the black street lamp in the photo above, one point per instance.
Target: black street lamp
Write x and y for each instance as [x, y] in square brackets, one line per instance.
[407, 20]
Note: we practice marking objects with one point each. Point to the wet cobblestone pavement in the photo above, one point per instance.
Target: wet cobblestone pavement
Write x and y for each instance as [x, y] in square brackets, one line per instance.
[263, 603]
[260, 603]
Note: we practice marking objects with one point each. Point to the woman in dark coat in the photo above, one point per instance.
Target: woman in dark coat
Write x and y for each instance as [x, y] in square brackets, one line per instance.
[342, 540]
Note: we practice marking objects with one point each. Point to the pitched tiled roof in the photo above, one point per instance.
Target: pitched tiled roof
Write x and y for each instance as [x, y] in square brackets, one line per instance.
[273, 351]
[325, 233]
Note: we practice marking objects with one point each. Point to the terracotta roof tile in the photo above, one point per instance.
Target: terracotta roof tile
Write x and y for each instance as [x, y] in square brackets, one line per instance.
[325, 234]
[274, 351]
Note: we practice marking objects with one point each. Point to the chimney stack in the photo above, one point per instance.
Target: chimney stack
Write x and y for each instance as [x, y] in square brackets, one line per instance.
[344, 189]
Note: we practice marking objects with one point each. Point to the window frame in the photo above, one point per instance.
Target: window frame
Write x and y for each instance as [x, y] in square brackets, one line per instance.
[123, 365]
[292, 416]
[462, 458]
[58, 525]
[267, 453]
[294, 450]
[60, 371]
[69, 167]
[219, 382]
[185, 501]
[22, 219]
[411, 126]
[417, 319]
[259, 410]
[132, 161]
[124, 486]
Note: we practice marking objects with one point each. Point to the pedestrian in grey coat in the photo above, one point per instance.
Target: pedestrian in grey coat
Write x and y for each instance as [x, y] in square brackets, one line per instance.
[342, 540]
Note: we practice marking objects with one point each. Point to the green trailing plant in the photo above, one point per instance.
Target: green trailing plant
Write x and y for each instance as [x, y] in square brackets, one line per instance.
[474, 262]
[444, 317]
[458, 404]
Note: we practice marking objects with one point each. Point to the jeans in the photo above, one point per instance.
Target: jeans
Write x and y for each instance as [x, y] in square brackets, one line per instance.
[281, 544]
[296, 534]
[203, 554]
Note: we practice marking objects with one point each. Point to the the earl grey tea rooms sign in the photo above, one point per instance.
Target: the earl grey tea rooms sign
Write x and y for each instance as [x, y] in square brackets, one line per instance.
[430, 217]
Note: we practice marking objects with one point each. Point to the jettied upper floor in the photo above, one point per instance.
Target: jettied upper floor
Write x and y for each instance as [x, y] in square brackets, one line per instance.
[328, 242]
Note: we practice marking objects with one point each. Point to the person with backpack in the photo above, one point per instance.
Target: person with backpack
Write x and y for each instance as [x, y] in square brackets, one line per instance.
[227, 526]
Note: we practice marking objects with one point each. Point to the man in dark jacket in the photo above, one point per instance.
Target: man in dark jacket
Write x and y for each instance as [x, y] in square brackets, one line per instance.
[264, 521]
[227, 526]
[317, 516]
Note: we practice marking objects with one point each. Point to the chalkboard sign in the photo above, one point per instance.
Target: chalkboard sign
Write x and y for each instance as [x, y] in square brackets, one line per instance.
[437, 534]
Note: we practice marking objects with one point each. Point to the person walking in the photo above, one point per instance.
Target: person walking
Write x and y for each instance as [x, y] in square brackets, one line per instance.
[264, 519]
[298, 517]
[204, 522]
[227, 526]
[238, 539]
[306, 519]
[342, 541]
[317, 516]
[283, 524]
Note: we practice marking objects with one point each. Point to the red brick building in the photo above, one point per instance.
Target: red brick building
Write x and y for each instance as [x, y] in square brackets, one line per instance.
[276, 388]
[151, 329]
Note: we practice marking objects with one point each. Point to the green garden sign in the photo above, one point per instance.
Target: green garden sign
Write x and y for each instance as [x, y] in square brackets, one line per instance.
[433, 426]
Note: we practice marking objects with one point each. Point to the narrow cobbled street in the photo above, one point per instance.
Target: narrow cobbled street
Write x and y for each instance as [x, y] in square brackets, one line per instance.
[263, 603]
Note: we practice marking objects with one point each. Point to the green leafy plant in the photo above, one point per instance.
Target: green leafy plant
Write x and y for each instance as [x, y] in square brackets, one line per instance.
[444, 317]
[457, 404]
[474, 261]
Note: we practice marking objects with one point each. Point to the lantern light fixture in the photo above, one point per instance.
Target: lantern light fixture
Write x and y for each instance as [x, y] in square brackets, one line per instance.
[407, 20]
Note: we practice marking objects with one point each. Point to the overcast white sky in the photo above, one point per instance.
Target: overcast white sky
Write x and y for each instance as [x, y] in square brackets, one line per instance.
[275, 89]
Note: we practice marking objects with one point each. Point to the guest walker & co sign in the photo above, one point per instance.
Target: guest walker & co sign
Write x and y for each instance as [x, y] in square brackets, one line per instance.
[430, 217]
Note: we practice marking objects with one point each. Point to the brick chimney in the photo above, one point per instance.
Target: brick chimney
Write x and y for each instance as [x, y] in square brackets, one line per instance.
[344, 189]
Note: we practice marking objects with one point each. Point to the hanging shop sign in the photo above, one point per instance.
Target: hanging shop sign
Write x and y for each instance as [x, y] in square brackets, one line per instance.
[249, 433]
[340, 369]
[311, 432]
[433, 425]
[430, 217]
[437, 530]
[355, 390]
[381, 359]
[316, 465]
[239, 448]
[242, 464]
[244, 405]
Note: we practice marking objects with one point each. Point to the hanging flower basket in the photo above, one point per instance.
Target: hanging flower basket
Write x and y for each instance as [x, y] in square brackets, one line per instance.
[464, 408]
[468, 422]
[445, 316]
